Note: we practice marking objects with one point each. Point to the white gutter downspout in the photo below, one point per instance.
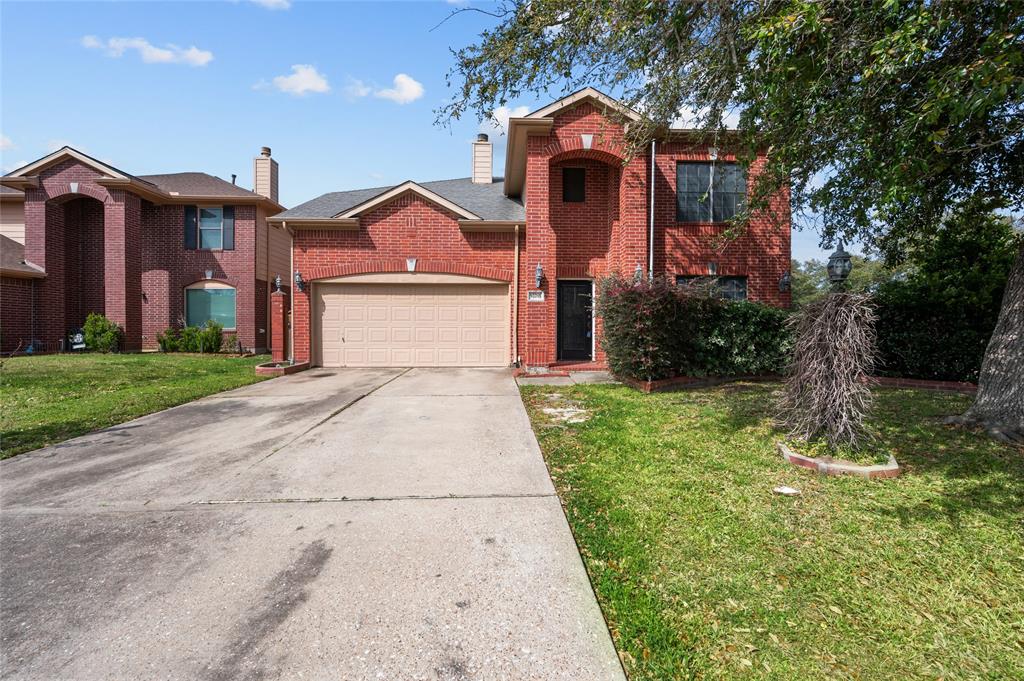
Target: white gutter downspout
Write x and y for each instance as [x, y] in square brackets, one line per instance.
[650, 238]
[515, 302]
[291, 298]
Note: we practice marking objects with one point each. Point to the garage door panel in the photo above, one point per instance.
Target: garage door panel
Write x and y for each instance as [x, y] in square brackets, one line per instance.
[412, 324]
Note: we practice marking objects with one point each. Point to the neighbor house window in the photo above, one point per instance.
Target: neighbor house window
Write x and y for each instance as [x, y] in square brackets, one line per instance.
[709, 192]
[210, 228]
[210, 300]
[730, 288]
[574, 185]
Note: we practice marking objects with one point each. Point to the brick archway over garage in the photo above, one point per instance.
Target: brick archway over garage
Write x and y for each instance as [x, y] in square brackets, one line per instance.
[397, 265]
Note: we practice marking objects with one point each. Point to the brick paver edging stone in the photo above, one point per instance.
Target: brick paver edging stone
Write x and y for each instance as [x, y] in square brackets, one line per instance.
[275, 369]
[828, 466]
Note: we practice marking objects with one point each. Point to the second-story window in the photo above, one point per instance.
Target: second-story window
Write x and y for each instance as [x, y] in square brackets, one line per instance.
[709, 192]
[574, 185]
[210, 228]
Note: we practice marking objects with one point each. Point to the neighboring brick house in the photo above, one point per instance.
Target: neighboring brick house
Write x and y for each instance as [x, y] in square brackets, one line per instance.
[147, 251]
[485, 271]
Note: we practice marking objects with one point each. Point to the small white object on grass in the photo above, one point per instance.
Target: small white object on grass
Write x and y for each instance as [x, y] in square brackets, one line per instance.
[786, 491]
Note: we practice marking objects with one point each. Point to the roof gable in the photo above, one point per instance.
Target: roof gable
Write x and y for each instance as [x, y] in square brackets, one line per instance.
[401, 190]
[587, 94]
[63, 154]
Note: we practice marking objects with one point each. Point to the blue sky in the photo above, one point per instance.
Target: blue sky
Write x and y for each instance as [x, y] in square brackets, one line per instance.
[344, 92]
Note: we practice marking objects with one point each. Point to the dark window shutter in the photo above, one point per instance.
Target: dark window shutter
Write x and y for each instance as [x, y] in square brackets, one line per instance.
[190, 228]
[229, 228]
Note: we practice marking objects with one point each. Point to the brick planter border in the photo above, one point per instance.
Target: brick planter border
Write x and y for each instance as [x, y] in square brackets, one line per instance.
[827, 466]
[275, 369]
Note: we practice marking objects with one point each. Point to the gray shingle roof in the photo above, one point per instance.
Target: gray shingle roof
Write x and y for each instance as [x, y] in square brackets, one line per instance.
[486, 200]
[196, 184]
[12, 258]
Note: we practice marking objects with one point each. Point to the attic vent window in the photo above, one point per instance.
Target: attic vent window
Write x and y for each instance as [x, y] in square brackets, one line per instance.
[574, 185]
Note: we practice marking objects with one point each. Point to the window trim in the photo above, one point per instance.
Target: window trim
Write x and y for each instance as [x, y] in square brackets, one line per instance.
[582, 170]
[209, 284]
[199, 226]
[710, 193]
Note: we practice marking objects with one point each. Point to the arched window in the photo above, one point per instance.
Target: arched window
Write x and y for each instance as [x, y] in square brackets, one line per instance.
[206, 300]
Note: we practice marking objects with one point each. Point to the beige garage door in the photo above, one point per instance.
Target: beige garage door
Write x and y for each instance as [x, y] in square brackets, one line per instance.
[421, 325]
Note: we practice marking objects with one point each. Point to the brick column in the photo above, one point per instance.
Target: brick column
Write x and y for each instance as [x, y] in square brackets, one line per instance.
[122, 272]
[278, 324]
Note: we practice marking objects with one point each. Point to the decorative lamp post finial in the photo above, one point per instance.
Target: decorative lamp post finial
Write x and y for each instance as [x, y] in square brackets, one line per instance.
[839, 266]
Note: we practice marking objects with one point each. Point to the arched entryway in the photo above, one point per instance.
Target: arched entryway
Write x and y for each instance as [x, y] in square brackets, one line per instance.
[76, 223]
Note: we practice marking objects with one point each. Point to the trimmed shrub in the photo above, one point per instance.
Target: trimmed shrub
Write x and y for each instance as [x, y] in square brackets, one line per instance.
[101, 334]
[169, 340]
[189, 339]
[211, 337]
[655, 329]
[644, 326]
[231, 344]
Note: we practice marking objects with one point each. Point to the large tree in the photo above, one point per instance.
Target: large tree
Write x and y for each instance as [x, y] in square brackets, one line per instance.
[880, 115]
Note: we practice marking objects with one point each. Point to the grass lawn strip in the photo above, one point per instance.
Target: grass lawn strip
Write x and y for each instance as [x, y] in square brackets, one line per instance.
[703, 572]
[51, 398]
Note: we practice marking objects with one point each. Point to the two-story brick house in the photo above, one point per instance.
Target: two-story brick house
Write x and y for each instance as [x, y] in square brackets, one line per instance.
[148, 251]
[500, 271]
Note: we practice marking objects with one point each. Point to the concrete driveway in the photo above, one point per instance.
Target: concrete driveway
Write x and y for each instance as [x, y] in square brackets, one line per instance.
[343, 524]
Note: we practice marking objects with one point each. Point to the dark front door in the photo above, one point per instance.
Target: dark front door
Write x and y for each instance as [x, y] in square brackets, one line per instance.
[575, 320]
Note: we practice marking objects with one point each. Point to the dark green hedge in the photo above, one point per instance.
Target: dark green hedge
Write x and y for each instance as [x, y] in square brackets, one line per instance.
[925, 335]
[654, 330]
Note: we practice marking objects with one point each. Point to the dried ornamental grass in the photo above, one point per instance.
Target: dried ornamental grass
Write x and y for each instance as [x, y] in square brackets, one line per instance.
[826, 394]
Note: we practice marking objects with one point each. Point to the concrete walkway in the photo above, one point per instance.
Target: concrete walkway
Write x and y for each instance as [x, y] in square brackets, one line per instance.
[342, 524]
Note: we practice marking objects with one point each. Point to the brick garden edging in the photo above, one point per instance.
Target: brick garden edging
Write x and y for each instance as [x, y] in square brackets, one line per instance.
[829, 466]
[276, 369]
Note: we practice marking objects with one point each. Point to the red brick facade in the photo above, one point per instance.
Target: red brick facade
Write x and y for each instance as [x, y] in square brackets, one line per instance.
[17, 297]
[606, 233]
[112, 252]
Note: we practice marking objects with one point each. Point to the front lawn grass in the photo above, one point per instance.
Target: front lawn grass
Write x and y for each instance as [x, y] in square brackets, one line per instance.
[703, 572]
[51, 398]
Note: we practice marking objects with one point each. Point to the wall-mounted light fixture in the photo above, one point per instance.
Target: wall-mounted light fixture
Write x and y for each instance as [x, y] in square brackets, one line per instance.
[277, 282]
[712, 268]
[209, 274]
[638, 274]
[785, 281]
[713, 153]
[299, 284]
[538, 275]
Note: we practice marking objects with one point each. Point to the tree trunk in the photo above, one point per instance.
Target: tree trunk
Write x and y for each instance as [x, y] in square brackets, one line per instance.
[999, 405]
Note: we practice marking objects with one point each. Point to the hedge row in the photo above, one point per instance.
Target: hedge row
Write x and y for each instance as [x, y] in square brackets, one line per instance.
[208, 338]
[655, 329]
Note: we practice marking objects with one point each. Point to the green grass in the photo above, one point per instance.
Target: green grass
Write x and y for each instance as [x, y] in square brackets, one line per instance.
[51, 398]
[703, 572]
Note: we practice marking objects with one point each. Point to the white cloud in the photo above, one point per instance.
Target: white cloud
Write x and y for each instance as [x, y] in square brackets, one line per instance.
[356, 88]
[303, 80]
[5, 143]
[406, 89]
[497, 124]
[150, 54]
[273, 4]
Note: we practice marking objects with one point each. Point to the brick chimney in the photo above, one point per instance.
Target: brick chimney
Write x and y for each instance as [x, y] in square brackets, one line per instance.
[483, 160]
[264, 175]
